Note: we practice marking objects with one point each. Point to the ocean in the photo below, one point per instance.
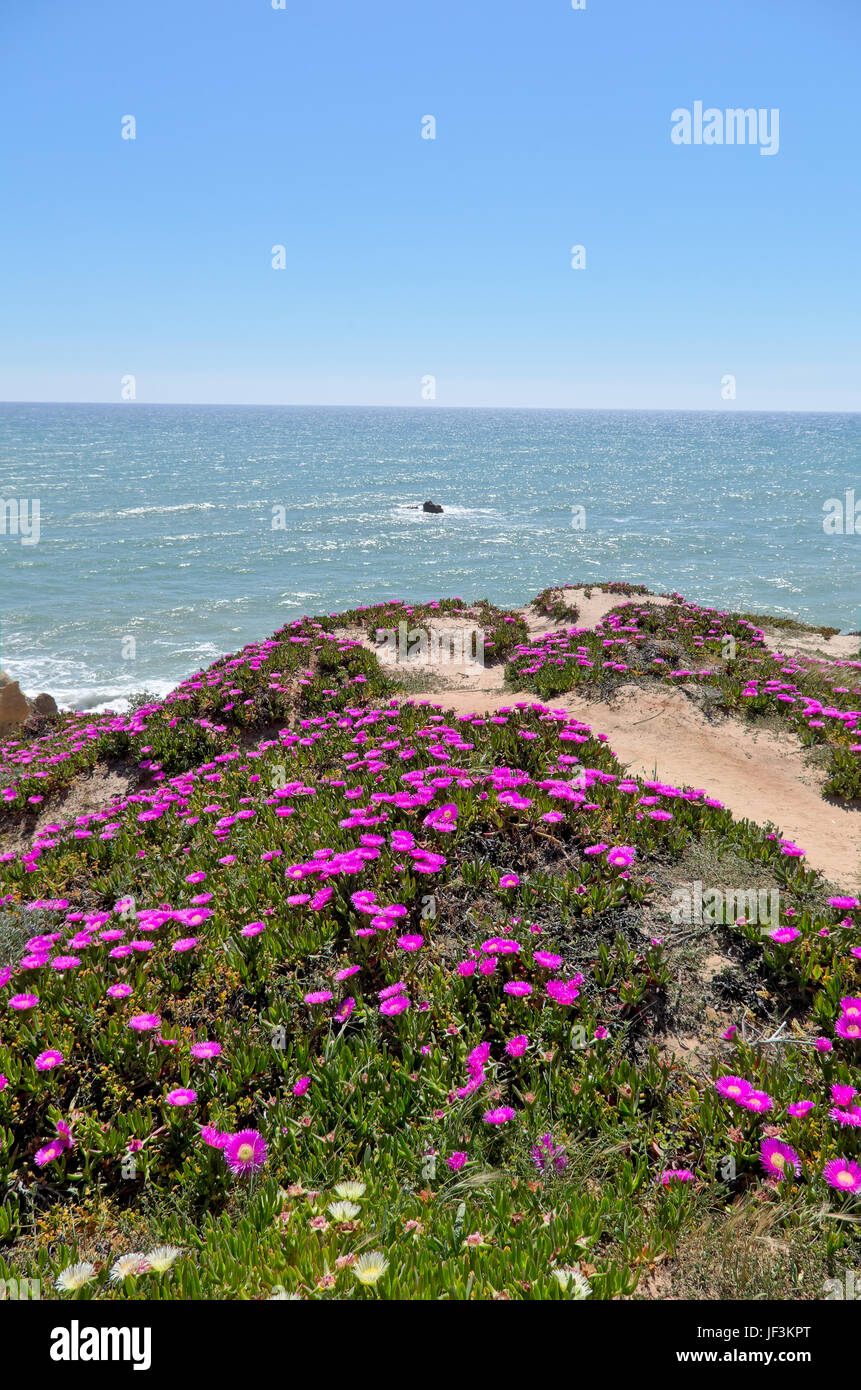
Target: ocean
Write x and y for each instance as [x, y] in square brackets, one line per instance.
[168, 535]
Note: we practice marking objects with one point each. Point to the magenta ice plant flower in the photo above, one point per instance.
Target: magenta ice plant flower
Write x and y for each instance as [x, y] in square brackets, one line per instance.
[181, 1096]
[843, 1175]
[144, 1023]
[733, 1088]
[245, 1152]
[779, 1159]
[47, 1061]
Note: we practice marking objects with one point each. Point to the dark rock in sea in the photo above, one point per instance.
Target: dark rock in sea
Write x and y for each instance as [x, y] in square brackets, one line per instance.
[431, 507]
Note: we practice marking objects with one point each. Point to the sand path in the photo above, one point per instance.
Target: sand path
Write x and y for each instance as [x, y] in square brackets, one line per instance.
[661, 733]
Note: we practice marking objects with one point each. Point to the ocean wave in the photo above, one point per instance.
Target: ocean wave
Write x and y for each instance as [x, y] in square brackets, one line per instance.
[144, 511]
[98, 699]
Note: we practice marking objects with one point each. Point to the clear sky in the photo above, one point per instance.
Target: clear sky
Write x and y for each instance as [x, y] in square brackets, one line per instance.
[408, 257]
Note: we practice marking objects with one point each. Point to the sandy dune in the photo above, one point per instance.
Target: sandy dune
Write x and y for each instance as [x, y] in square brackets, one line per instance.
[843, 647]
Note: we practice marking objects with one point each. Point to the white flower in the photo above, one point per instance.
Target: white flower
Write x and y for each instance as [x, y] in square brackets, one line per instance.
[370, 1267]
[74, 1277]
[163, 1257]
[131, 1264]
[351, 1191]
[343, 1211]
[565, 1275]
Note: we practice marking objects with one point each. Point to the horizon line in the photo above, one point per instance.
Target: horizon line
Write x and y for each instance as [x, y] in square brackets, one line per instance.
[436, 406]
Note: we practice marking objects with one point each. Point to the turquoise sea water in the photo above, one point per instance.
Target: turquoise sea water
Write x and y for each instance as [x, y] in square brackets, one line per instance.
[156, 522]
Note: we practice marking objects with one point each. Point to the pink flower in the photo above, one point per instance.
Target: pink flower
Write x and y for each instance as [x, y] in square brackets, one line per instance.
[546, 1152]
[733, 1088]
[64, 1135]
[181, 1096]
[671, 1175]
[478, 1056]
[397, 1004]
[320, 996]
[843, 1175]
[799, 1108]
[203, 1051]
[215, 1138]
[391, 990]
[412, 942]
[48, 1153]
[562, 992]
[443, 819]
[301, 1085]
[778, 1158]
[144, 1023]
[621, 856]
[46, 1061]
[516, 1047]
[245, 1152]
[456, 1160]
[519, 988]
[23, 1001]
[500, 1116]
[758, 1101]
[345, 1010]
[847, 1119]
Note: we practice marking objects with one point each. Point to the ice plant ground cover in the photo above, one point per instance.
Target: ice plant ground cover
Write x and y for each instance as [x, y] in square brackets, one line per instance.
[683, 644]
[353, 997]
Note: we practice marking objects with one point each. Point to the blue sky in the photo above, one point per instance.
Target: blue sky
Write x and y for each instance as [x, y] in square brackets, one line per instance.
[409, 257]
